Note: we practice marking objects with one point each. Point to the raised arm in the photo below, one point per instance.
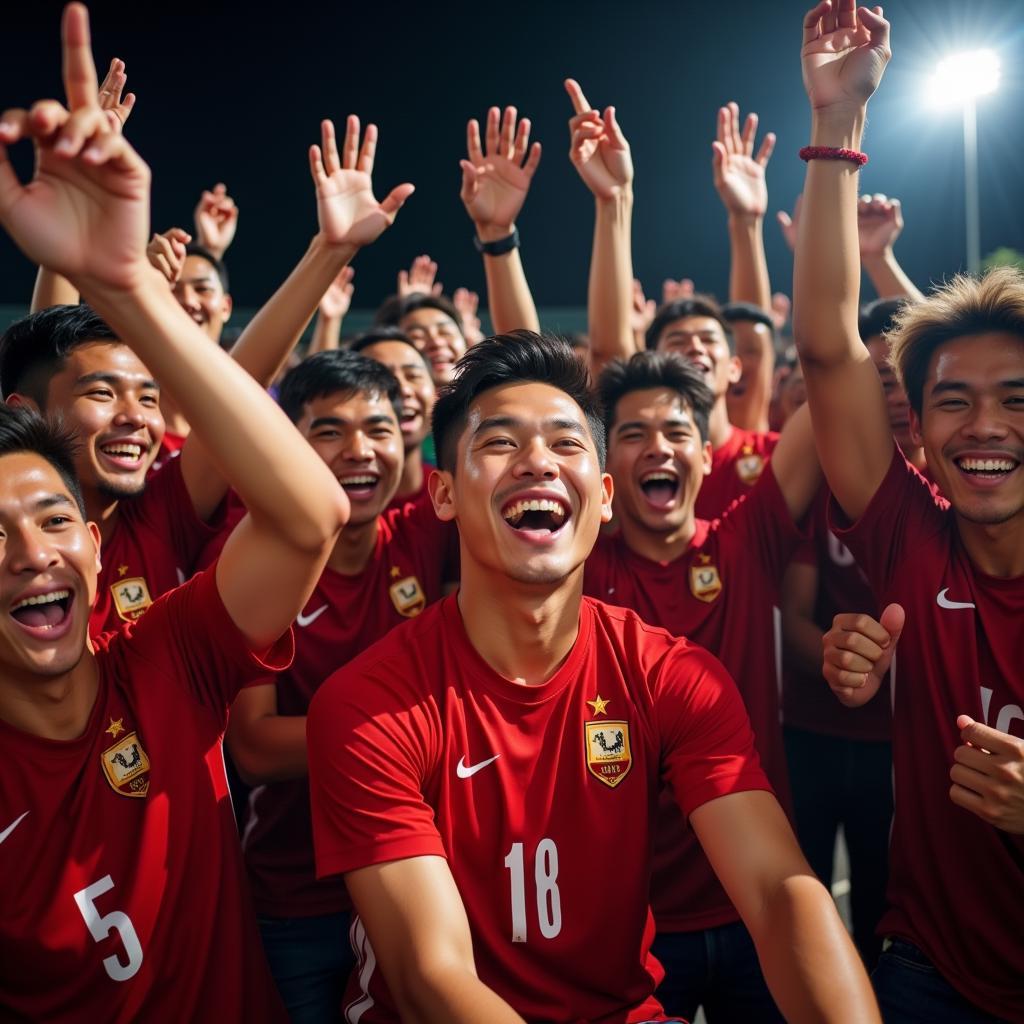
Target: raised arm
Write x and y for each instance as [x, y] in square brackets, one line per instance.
[334, 304]
[495, 181]
[600, 153]
[86, 215]
[795, 464]
[845, 51]
[216, 220]
[879, 224]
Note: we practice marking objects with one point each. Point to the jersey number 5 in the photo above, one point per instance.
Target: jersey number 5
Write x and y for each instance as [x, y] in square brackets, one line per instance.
[549, 902]
[101, 926]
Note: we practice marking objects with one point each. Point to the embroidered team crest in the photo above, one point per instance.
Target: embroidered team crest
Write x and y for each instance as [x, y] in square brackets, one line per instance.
[749, 465]
[131, 597]
[408, 597]
[126, 766]
[705, 583]
[608, 754]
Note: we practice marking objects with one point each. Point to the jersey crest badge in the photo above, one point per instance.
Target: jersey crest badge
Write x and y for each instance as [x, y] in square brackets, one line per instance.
[126, 766]
[608, 754]
[408, 597]
[705, 583]
[749, 465]
[131, 597]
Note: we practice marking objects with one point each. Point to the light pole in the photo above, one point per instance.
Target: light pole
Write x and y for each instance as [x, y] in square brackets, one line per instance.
[958, 82]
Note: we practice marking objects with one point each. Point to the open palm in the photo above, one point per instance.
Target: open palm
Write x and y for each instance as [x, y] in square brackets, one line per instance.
[598, 149]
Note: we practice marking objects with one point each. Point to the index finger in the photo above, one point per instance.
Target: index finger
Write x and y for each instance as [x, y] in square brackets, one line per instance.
[863, 624]
[985, 737]
[80, 84]
[579, 101]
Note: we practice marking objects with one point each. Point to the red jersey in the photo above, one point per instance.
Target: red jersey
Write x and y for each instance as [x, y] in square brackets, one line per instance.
[154, 545]
[735, 468]
[420, 497]
[723, 594]
[170, 447]
[956, 884]
[343, 616]
[542, 798]
[123, 897]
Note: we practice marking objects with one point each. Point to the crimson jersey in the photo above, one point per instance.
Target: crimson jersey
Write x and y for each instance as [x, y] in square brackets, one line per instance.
[154, 545]
[542, 798]
[723, 594]
[420, 497]
[956, 884]
[123, 897]
[343, 616]
[735, 468]
[170, 446]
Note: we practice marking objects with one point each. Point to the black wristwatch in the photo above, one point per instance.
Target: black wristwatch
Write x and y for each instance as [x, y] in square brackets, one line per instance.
[499, 246]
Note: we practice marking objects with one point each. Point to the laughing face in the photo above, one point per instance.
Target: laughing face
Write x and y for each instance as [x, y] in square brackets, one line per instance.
[896, 401]
[701, 341]
[418, 392]
[49, 558]
[358, 436]
[200, 293]
[658, 459]
[438, 337]
[527, 491]
[972, 425]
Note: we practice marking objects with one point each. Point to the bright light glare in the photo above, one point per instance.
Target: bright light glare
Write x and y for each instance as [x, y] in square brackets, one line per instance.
[963, 77]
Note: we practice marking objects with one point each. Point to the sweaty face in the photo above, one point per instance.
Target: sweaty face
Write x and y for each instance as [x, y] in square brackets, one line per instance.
[657, 459]
[972, 425]
[357, 435]
[200, 293]
[895, 397]
[701, 341]
[49, 558]
[113, 403]
[527, 492]
[438, 337]
[418, 392]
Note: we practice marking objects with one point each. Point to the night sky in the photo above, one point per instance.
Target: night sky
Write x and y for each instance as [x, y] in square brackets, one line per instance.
[235, 93]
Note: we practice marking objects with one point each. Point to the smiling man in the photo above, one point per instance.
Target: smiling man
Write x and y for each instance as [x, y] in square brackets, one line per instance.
[486, 776]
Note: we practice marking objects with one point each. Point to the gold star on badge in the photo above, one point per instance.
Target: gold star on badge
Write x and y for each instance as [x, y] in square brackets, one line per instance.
[703, 559]
[115, 728]
[122, 569]
[395, 572]
[598, 706]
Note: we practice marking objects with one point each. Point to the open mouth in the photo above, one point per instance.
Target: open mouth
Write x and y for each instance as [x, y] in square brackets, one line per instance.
[410, 420]
[702, 363]
[539, 516]
[360, 486]
[43, 612]
[992, 469]
[660, 487]
[124, 454]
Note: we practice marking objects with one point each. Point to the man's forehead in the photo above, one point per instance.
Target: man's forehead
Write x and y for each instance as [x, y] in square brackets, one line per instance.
[524, 400]
[982, 360]
[27, 479]
[653, 403]
[195, 268]
[349, 406]
[105, 356]
[693, 325]
[428, 318]
[395, 353]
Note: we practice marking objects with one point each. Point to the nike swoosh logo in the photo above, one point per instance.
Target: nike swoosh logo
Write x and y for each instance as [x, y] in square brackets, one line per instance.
[10, 828]
[465, 772]
[306, 620]
[945, 602]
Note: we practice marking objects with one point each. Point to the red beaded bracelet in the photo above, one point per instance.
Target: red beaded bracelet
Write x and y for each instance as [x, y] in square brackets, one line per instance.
[833, 153]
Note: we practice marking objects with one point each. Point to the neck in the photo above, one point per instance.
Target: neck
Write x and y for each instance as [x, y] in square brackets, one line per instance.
[174, 420]
[719, 427]
[412, 473]
[354, 547]
[655, 545]
[102, 510]
[996, 549]
[55, 708]
[915, 456]
[524, 631]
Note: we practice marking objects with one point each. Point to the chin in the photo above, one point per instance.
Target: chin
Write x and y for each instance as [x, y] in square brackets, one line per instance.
[118, 489]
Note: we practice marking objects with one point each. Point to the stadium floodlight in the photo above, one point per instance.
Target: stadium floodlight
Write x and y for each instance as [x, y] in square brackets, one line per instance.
[958, 81]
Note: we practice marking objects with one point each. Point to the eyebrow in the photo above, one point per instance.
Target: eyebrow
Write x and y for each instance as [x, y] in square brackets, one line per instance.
[675, 421]
[945, 386]
[54, 501]
[113, 379]
[339, 421]
[209, 278]
[513, 423]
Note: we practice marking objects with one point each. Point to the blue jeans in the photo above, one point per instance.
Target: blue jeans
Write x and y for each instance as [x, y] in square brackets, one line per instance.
[310, 959]
[716, 968]
[911, 991]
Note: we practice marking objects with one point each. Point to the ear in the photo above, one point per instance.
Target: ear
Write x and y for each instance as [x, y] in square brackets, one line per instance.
[19, 401]
[440, 484]
[94, 532]
[916, 434]
[706, 454]
[735, 369]
[607, 491]
[227, 305]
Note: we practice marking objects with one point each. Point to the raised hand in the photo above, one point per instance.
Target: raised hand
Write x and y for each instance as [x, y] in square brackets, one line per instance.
[643, 312]
[674, 291]
[879, 224]
[167, 253]
[216, 220]
[790, 223]
[467, 303]
[496, 178]
[346, 208]
[85, 213]
[337, 300]
[845, 51]
[110, 98]
[597, 148]
[781, 307]
[739, 175]
[857, 652]
[988, 775]
[420, 278]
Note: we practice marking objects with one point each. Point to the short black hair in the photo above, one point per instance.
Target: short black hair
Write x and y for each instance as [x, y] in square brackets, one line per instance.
[878, 317]
[747, 312]
[655, 370]
[379, 335]
[195, 249]
[24, 430]
[696, 305]
[336, 372]
[396, 307]
[513, 358]
[36, 347]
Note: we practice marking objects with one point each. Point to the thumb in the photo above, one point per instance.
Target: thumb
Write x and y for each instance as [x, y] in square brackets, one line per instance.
[784, 219]
[892, 621]
[395, 199]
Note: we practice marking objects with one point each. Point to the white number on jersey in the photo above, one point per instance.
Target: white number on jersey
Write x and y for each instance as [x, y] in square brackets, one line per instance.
[101, 926]
[549, 903]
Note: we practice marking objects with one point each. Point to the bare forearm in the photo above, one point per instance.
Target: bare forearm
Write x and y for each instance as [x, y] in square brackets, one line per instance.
[509, 299]
[889, 279]
[454, 996]
[326, 334]
[52, 290]
[748, 269]
[802, 638]
[270, 749]
[610, 291]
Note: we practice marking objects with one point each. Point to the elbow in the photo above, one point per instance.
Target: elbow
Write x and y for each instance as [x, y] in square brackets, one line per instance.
[324, 521]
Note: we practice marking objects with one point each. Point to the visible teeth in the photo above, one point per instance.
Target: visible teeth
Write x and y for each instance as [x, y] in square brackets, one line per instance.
[516, 511]
[359, 480]
[56, 595]
[132, 450]
[651, 477]
[987, 465]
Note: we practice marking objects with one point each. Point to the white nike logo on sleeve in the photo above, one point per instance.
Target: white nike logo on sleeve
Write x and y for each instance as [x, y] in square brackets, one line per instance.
[306, 620]
[10, 828]
[467, 772]
[945, 602]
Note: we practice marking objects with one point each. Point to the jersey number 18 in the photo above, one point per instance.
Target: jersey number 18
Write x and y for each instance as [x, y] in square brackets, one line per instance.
[545, 873]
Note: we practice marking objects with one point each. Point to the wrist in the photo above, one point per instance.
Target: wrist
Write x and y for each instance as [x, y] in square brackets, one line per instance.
[620, 199]
[493, 232]
[742, 221]
[878, 259]
[336, 252]
[839, 127]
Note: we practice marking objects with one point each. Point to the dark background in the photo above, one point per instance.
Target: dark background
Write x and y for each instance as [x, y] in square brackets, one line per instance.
[235, 92]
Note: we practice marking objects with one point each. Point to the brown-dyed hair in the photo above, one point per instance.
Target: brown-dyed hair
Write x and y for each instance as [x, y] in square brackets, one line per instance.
[965, 305]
